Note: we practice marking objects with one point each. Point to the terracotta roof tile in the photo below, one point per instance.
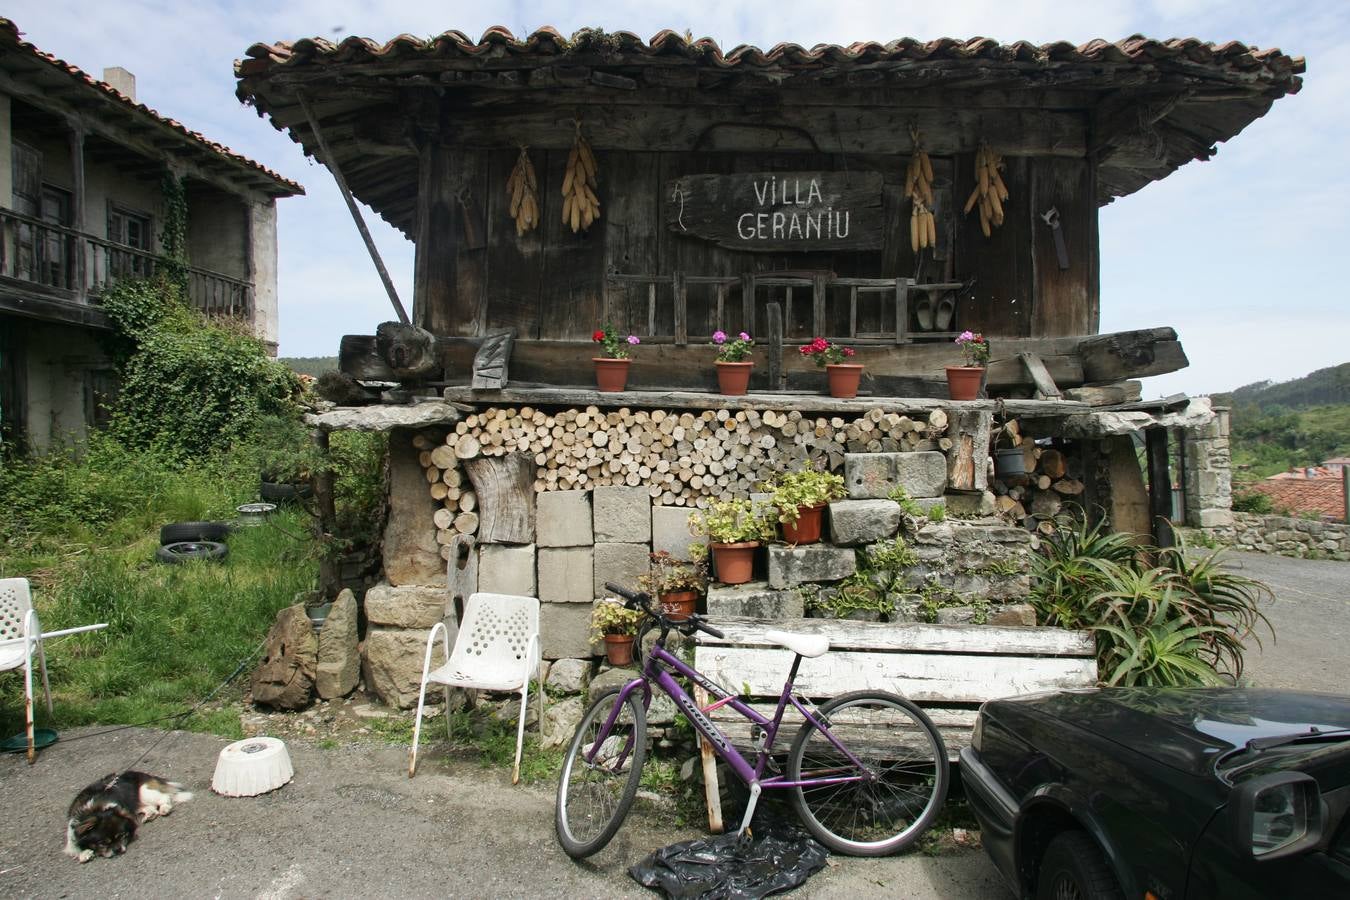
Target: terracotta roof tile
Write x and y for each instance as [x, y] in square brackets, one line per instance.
[1324, 496]
[11, 35]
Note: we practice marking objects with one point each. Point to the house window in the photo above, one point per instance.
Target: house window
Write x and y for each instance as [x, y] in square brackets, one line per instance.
[130, 229]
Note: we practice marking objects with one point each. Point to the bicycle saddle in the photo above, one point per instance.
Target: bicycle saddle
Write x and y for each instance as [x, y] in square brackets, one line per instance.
[805, 644]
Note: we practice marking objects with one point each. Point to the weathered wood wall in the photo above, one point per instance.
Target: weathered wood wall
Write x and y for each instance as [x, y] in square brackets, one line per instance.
[551, 284]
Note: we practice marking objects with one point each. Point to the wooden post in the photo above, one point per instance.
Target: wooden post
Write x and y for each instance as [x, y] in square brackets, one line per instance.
[773, 341]
[902, 311]
[712, 793]
[681, 309]
[748, 301]
[1345, 493]
[77, 277]
[330, 161]
[1159, 487]
[330, 581]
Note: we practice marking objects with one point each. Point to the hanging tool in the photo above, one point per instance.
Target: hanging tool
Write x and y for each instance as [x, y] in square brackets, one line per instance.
[1051, 218]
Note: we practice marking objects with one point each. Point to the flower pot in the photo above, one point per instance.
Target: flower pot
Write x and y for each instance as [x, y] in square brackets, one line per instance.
[734, 563]
[679, 605]
[1010, 462]
[611, 375]
[806, 530]
[733, 378]
[619, 649]
[964, 382]
[844, 378]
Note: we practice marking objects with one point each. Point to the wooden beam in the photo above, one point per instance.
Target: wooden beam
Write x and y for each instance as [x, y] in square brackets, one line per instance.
[1159, 487]
[1040, 376]
[356, 215]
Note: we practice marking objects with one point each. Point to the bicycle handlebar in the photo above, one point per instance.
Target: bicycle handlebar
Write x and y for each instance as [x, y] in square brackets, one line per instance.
[643, 600]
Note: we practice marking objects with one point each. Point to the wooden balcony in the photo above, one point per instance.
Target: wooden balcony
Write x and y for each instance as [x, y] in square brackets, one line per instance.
[53, 272]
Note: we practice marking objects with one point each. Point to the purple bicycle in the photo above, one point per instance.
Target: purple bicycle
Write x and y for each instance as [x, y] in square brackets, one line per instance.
[867, 772]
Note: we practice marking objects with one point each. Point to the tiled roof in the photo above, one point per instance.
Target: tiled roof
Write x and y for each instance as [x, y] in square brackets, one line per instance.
[1320, 495]
[498, 42]
[11, 38]
[1304, 474]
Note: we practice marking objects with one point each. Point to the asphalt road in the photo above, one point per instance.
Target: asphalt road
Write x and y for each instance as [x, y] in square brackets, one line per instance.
[352, 824]
[1311, 619]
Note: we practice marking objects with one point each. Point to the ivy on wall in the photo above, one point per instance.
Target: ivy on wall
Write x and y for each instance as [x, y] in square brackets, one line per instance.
[174, 260]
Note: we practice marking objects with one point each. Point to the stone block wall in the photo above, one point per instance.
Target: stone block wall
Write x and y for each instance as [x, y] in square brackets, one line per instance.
[1209, 475]
[1284, 536]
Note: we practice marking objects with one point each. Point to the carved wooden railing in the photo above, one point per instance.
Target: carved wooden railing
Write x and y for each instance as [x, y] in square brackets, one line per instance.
[79, 266]
[816, 286]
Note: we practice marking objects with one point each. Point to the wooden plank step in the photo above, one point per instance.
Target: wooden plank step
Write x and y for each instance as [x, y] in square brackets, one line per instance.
[908, 637]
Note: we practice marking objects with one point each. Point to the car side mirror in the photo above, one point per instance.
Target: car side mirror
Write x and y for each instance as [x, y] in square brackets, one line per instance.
[1277, 815]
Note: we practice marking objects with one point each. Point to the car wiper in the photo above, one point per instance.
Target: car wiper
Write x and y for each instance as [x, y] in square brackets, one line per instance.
[1314, 733]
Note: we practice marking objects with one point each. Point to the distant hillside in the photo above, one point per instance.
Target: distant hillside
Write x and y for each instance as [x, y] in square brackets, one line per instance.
[1320, 388]
[310, 365]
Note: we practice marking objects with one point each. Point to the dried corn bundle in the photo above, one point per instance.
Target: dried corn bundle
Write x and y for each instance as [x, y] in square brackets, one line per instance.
[990, 191]
[522, 187]
[581, 206]
[919, 189]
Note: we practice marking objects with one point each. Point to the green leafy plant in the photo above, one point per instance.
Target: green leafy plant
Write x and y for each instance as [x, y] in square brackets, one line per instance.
[790, 491]
[668, 575]
[895, 555]
[1252, 502]
[937, 512]
[732, 521]
[610, 617]
[974, 348]
[730, 349]
[615, 347]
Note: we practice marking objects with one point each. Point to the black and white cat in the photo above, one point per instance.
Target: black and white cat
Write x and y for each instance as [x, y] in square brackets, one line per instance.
[105, 815]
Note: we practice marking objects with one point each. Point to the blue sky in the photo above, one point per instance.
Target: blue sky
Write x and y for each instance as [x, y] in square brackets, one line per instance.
[1242, 254]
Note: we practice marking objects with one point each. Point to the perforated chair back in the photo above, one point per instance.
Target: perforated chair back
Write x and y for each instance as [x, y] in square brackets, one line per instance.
[15, 601]
[494, 637]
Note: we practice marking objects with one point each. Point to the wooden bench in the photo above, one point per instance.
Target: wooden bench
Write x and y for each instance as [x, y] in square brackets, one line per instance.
[949, 670]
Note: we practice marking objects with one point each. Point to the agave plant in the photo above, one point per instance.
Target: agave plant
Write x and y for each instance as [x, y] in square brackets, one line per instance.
[1165, 650]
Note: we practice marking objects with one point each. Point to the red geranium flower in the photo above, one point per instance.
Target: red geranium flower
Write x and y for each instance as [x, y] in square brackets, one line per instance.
[598, 336]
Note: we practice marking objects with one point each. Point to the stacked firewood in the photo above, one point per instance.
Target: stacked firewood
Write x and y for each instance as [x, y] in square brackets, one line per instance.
[683, 458]
[1036, 498]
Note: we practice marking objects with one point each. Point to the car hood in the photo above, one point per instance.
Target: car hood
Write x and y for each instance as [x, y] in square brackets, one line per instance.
[1186, 728]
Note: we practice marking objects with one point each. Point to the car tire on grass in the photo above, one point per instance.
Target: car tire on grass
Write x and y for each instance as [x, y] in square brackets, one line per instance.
[178, 532]
[183, 551]
[1074, 868]
[285, 492]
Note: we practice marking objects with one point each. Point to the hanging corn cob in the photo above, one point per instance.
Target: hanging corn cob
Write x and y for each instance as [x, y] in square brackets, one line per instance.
[581, 206]
[990, 191]
[523, 190]
[919, 189]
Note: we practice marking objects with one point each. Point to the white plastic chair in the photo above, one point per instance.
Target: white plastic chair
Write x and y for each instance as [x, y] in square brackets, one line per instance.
[19, 626]
[497, 649]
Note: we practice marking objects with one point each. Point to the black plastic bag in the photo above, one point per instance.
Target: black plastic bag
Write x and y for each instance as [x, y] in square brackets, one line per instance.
[777, 857]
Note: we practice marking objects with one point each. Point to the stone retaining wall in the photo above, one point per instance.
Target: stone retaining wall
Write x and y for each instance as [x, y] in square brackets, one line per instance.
[1289, 537]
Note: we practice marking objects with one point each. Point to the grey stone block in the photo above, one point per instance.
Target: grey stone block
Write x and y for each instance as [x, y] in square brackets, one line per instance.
[339, 667]
[1216, 518]
[873, 476]
[563, 519]
[854, 522]
[620, 563]
[755, 599]
[566, 574]
[507, 569]
[956, 615]
[564, 630]
[405, 606]
[791, 566]
[622, 514]
[570, 676]
[1013, 614]
[670, 531]
[979, 503]
[393, 664]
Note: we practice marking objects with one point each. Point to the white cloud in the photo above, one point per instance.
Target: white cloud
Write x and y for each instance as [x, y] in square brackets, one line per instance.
[1240, 254]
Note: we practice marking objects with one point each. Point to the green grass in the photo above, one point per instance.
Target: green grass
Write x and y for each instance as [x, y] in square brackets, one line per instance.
[85, 531]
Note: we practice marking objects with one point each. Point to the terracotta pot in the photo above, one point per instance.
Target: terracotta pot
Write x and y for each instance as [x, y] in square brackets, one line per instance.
[679, 605]
[734, 563]
[611, 375]
[964, 382]
[733, 378]
[844, 378]
[619, 649]
[807, 528]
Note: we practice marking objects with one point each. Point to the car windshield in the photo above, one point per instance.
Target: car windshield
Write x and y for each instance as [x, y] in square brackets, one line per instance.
[1273, 754]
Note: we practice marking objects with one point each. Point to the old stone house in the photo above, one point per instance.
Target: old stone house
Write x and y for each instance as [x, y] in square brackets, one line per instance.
[83, 174]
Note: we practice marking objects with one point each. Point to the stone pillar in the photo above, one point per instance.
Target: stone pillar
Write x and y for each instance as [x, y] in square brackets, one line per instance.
[1209, 475]
[262, 269]
[411, 554]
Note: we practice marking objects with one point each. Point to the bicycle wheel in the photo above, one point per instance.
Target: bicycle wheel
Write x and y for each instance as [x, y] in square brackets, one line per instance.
[904, 761]
[594, 797]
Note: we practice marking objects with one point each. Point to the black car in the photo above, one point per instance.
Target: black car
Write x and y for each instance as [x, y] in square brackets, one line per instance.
[1165, 793]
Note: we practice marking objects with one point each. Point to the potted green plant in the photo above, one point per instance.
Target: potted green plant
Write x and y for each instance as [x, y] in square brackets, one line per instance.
[611, 367]
[800, 498]
[733, 362]
[734, 529]
[964, 382]
[676, 583]
[617, 626]
[843, 377]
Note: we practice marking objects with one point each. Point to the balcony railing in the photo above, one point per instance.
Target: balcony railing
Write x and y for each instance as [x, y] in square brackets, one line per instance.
[79, 266]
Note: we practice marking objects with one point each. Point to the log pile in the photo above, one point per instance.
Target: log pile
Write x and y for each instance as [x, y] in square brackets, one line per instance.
[1036, 498]
[682, 458]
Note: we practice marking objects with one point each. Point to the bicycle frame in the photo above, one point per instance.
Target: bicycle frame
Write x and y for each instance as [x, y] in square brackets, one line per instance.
[658, 668]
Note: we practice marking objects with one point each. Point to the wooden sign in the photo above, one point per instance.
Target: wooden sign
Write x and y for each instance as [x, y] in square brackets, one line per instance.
[778, 211]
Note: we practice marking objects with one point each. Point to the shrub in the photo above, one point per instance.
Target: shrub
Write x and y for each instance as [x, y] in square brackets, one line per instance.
[1252, 502]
